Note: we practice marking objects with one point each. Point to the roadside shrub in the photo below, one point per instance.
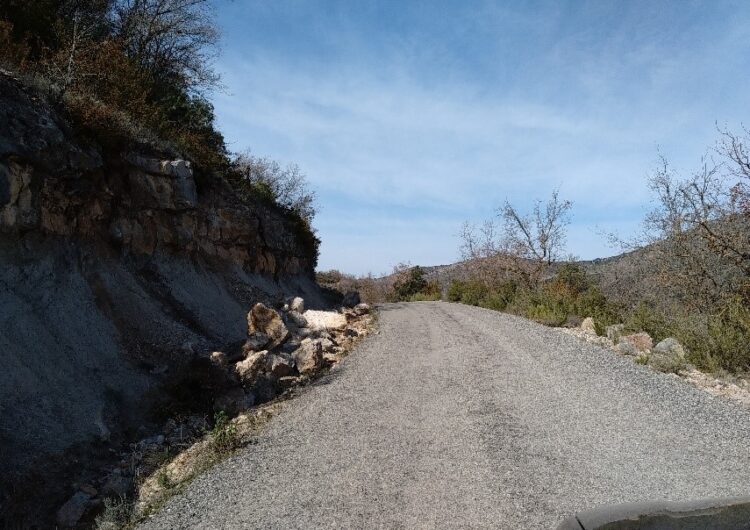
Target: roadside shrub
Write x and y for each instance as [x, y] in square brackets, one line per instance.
[425, 297]
[430, 292]
[572, 277]
[478, 293]
[567, 297]
[116, 514]
[593, 303]
[409, 282]
[224, 436]
[645, 318]
[721, 340]
[494, 300]
[468, 292]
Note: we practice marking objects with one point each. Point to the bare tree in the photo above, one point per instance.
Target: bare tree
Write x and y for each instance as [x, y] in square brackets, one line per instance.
[700, 227]
[538, 237]
[517, 244]
[170, 38]
[66, 67]
[285, 185]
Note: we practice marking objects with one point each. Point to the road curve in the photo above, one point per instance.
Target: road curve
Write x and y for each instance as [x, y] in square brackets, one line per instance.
[459, 417]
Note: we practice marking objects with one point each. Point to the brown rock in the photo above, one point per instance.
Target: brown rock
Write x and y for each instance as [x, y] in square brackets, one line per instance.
[309, 356]
[262, 319]
[280, 365]
[640, 341]
[249, 369]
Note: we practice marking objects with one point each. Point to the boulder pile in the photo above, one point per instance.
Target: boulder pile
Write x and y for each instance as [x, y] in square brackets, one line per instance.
[667, 356]
[284, 348]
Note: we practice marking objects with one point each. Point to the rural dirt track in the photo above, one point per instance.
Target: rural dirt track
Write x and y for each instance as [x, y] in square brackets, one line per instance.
[458, 417]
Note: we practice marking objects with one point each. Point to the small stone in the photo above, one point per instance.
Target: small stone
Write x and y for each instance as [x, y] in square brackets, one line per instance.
[249, 369]
[588, 326]
[256, 342]
[309, 356]
[219, 358]
[297, 304]
[72, 511]
[668, 356]
[327, 345]
[670, 346]
[297, 319]
[641, 341]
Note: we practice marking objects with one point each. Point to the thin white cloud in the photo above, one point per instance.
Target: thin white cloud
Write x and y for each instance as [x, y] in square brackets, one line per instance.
[377, 133]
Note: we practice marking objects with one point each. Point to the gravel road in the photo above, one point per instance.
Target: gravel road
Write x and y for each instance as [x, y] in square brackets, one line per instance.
[459, 417]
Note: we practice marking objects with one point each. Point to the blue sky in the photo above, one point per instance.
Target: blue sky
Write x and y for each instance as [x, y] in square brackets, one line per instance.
[410, 117]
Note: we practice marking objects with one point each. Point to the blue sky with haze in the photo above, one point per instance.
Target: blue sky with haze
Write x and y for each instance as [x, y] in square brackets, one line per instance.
[410, 117]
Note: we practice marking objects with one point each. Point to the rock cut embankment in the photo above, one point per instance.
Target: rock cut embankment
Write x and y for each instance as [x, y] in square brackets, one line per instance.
[116, 268]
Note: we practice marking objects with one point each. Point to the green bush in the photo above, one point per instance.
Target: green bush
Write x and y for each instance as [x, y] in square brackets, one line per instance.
[411, 283]
[645, 318]
[721, 340]
[468, 292]
[566, 296]
[477, 293]
[425, 297]
[593, 303]
[224, 436]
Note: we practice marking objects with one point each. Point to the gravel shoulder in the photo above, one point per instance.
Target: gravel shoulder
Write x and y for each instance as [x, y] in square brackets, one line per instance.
[460, 417]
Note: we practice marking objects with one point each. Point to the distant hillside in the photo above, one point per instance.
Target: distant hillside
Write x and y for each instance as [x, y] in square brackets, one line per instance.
[626, 276]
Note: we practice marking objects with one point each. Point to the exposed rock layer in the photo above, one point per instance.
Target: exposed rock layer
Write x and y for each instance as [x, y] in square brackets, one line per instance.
[141, 203]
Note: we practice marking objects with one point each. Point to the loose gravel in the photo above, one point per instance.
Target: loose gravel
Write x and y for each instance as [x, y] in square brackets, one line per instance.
[459, 417]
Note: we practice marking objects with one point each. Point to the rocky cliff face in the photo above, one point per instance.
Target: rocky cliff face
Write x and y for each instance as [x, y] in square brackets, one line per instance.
[135, 201]
[115, 268]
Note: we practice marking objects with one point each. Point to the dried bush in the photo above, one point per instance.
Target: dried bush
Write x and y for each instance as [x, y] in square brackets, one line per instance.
[267, 179]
